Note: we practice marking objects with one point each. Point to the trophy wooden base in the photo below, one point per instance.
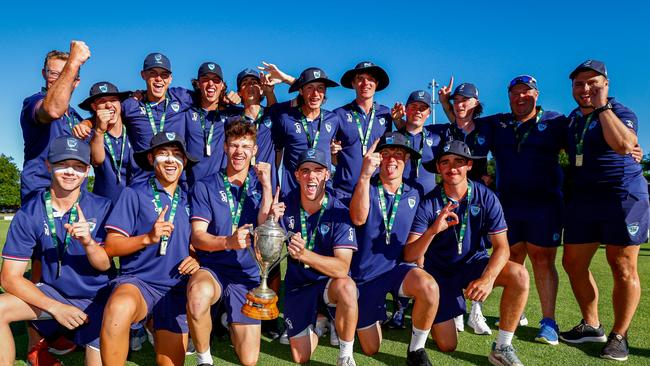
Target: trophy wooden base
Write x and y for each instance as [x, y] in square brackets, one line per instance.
[262, 309]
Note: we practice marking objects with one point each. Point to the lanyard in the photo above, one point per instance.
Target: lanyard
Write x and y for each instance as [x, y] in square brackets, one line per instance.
[235, 214]
[521, 139]
[172, 212]
[207, 136]
[581, 139]
[463, 227]
[388, 222]
[52, 226]
[303, 119]
[152, 122]
[303, 223]
[257, 120]
[366, 138]
[72, 121]
[117, 166]
[419, 161]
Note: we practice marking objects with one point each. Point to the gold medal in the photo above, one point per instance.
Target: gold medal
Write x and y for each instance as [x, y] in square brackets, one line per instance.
[579, 159]
[365, 149]
[234, 228]
[208, 150]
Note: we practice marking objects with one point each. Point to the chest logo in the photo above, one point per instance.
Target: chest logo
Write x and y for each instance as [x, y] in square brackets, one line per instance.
[267, 122]
[633, 228]
[328, 127]
[187, 210]
[224, 198]
[349, 116]
[541, 126]
[92, 224]
[298, 127]
[324, 228]
[195, 116]
[480, 140]
[474, 210]
[592, 125]
[143, 111]
[46, 229]
[382, 121]
[292, 222]
[155, 208]
[175, 106]
[429, 142]
[503, 125]
[411, 202]
[257, 195]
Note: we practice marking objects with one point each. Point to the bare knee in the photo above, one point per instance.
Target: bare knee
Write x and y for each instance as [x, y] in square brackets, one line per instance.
[121, 309]
[623, 270]
[427, 290]
[543, 260]
[248, 358]
[199, 299]
[369, 349]
[346, 291]
[446, 346]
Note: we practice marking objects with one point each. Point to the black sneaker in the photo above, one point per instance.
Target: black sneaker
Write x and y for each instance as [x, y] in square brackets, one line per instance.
[583, 333]
[616, 348]
[417, 358]
[271, 329]
[397, 320]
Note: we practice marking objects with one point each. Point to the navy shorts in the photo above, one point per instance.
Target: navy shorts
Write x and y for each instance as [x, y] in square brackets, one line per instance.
[372, 294]
[166, 306]
[301, 306]
[612, 222]
[85, 335]
[233, 296]
[538, 224]
[451, 285]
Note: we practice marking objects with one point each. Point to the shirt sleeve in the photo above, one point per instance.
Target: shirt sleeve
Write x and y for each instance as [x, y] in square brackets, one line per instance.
[30, 107]
[125, 213]
[628, 118]
[184, 96]
[423, 217]
[100, 231]
[21, 238]
[200, 203]
[344, 234]
[495, 221]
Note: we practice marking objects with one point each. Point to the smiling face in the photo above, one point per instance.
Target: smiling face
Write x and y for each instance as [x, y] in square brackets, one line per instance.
[111, 103]
[68, 174]
[453, 169]
[240, 151]
[210, 86]
[365, 85]
[250, 90]
[168, 162]
[584, 86]
[464, 106]
[393, 160]
[313, 94]
[158, 80]
[523, 100]
[311, 179]
[417, 113]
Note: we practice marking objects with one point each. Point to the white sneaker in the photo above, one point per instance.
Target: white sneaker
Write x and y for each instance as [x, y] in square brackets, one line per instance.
[460, 325]
[346, 361]
[190, 348]
[284, 338]
[149, 336]
[322, 326]
[334, 338]
[476, 321]
[523, 321]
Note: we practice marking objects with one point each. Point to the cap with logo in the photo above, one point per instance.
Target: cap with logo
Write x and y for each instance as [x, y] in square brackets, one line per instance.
[161, 139]
[366, 67]
[102, 89]
[68, 148]
[312, 75]
[396, 139]
[313, 156]
[453, 147]
[209, 68]
[589, 65]
[467, 90]
[419, 96]
[156, 60]
[248, 72]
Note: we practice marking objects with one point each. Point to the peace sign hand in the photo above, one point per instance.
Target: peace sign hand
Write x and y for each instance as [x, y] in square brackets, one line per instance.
[445, 92]
[446, 219]
[278, 208]
[80, 230]
[371, 161]
[160, 228]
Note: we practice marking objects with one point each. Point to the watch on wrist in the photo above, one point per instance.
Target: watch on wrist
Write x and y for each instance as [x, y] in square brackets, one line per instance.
[598, 110]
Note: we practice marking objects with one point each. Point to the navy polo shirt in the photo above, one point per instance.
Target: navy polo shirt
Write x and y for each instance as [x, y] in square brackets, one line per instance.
[604, 171]
[36, 138]
[374, 256]
[265, 145]
[528, 169]
[134, 214]
[288, 134]
[209, 203]
[335, 231]
[350, 158]
[485, 218]
[29, 234]
[195, 137]
[426, 142]
[478, 141]
[106, 183]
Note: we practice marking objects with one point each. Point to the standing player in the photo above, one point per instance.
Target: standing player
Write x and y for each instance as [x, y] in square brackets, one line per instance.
[228, 271]
[448, 233]
[362, 122]
[47, 115]
[149, 230]
[321, 253]
[63, 227]
[608, 205]
[377, 267]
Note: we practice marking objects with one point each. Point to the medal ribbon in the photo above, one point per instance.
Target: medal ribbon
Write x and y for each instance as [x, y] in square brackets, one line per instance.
[52, 226]
[257, 119]
[72, 121]
[172, 212]
[366, 138]
[521, 139]
[117, 165]
[580, 140]
[463, 227]
[303, 120]
[235, 214]
[152, 122]
[206, 135]
[303, 223]
[388, 222]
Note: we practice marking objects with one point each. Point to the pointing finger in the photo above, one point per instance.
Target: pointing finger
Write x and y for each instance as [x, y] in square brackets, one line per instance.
[161, 216]
[81, 217]
[451, 82]
[276, 198]
[372, 148]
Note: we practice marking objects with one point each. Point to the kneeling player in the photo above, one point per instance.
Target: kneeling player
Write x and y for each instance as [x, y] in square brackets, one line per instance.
[63, 227]
[224, 207]
[377, 267]
[149, 230]
[448, 231]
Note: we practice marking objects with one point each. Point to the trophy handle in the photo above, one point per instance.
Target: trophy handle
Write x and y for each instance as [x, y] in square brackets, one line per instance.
[286, 237]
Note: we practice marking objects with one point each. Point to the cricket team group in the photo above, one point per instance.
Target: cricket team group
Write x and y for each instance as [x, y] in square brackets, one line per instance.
[374, 198]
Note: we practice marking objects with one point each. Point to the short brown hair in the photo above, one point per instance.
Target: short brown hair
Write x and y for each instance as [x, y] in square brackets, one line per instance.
[241, 128]
[55, 55]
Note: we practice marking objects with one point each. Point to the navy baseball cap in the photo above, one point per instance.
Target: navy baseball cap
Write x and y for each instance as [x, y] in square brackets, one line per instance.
[68, 148]
[419, 96]
[523, 79]
[396, 139]
[156, 60]
[467, 90]
[102, 89]
[366, 67]
[313, 156]
[593, 65]
[312, 75]
[246, 73]
[453, 147]
[161, 139]
[209, 68]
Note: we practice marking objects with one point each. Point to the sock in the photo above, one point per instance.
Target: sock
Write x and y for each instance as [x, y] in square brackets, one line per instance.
[504, 338]
[418, 339]
[204, 357]
[476, 307]
[345, 348]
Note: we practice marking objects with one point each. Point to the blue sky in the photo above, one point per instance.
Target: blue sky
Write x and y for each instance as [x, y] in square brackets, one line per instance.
[483, 43]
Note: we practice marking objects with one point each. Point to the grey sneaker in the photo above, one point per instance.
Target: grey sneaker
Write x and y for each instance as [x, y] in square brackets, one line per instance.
[346, 361]
[616, 348]
[504, 356]
[584, 332]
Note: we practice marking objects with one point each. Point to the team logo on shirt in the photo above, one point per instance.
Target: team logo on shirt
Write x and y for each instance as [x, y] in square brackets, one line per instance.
[503, 125]
[411, 202]
[480, 139]
[170, 135]
[257, 196]
[143, 111]
[438, 212]
[429, 142]
[474, 210]
[351, 234]
[541, 126]
[155, 207]
[349, 117]
[382, 121]
[175, 106]
[224, 198]
[592, 125]
[267, 122]
[556, 236]
[298, 127]
[92, 224]
[288, 322]
[325, 228]
[629, 124]
[187, 209]
[328, 126]
[46, 228]
[195, 116]
[316, 74]
[633, 228]
[103, 88]
[292, 223]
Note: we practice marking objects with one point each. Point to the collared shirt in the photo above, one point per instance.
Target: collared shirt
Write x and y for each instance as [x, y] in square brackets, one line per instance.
[135, 214]
[195, 137]
[334, 231]
[350, 158]
[288, 134]
[485, 218]
[374, 256]
[36, 138]
[29, 235]
[603, 170]
[106, 183]
[478, 141]
[209, 203]
[427, 142]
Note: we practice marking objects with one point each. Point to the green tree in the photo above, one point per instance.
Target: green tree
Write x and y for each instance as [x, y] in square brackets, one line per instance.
[9, 183]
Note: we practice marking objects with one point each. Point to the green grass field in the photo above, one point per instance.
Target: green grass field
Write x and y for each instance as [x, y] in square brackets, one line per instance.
[472, 349]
